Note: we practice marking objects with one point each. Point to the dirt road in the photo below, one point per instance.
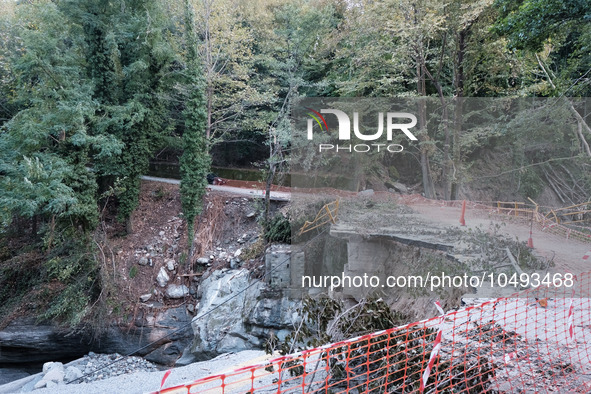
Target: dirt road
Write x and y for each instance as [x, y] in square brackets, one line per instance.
[244, 190]
[566, 254]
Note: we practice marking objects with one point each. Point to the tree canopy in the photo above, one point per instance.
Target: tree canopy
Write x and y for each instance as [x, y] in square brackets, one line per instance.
[92, 90]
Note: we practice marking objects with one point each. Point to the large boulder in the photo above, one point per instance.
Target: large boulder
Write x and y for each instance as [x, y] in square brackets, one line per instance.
[230, 320]
[155, 331]
[24, 341]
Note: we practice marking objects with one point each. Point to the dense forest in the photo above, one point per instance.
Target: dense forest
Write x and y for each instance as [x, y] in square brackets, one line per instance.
[92, 90]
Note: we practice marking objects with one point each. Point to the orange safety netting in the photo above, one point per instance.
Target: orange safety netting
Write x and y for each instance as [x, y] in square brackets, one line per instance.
[536, 341]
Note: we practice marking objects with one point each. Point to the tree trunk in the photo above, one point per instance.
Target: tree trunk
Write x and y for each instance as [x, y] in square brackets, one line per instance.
[209, 106]
[458, 112]
[270, 177]
[193, 248]
[572, 108]
[129, 225]
[444, 120]
[428, 188]
[456, 155]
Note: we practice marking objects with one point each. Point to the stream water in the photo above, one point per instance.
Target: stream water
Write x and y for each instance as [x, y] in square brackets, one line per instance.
[9, 373]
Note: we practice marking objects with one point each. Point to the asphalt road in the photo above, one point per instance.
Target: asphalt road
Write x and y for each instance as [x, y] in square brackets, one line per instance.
[275, 196]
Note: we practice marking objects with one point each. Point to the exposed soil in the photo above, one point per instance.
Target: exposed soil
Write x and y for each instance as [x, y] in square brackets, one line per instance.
[159, 239]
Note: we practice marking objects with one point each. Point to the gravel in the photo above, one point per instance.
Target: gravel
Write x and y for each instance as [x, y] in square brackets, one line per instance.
[103, 366]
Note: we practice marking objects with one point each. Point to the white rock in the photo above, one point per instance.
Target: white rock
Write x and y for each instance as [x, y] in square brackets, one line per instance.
[51, 384]
[48, 366]
[162, 277]
[170, 265]
[202, 260]
[54, 375]
[230, 328]
[161, 233]
[400, 187]
[40, 384]
[72, 373]
[238, 253]
[145, 297]
[177, 291]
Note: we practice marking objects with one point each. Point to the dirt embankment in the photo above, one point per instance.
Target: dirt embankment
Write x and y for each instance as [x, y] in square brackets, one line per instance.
[159, 240]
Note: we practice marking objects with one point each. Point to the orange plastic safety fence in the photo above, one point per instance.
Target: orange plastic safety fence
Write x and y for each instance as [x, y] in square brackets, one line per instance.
[536, 341]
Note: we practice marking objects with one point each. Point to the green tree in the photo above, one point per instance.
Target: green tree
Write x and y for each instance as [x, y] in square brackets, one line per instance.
[45, 150]
[130, 64]
[47, 146]
[10, 44]
[557, 33]
[195, 161]
[287, 34]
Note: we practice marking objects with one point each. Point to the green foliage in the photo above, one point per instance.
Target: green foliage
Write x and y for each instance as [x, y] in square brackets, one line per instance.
[90, 77]
[19, 276]
[133, 272]
[10, 44]
[278, 229]
[45, 147]
[71, 271]
[530, 184]
[529, 23]
[71, 305]
[555, 30]
[195, 161]
[128, 61]
[182, 259]
[88, 80]
[90, 89]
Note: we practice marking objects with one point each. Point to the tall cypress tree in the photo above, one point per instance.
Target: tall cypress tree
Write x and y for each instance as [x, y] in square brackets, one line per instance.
[195, 161]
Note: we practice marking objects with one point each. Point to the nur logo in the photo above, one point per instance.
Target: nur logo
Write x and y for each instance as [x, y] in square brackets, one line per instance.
[392, 124]
[315, 115]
